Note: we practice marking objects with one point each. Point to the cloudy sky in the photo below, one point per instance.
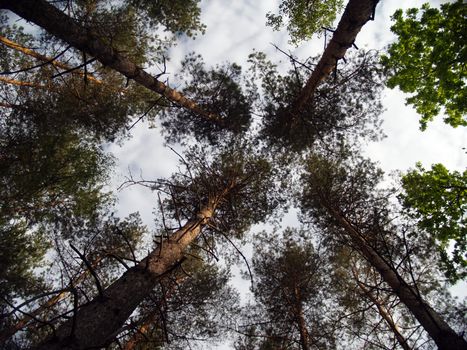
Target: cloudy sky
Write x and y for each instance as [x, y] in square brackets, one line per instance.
[234, 29]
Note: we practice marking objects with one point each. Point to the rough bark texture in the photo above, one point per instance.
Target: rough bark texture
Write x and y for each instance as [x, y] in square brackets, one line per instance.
[442, 334]
[62, 26]
[97, 323]
[356, 14]
[155, 318]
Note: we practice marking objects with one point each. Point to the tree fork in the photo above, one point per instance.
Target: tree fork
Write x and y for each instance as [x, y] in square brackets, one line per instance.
[67, 29]
[356, 14]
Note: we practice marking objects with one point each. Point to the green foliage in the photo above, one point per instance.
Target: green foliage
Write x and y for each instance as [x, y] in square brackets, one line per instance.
[44, 173]
[347, 184]
[101, 109]
[428, 60]
[342, 110]
[132, 26]
[122, 28]
[437, 198]
[179, 16]
[290, 288]
[340, 197]
[304, 18]
[218, 91]
[253, 195]
[20, 253]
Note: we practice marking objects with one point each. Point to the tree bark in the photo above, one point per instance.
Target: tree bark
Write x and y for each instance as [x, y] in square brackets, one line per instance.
[442, 334]
[356, 14]
[304, 337]
[21, 83]
[96, 324]
[154, 318]
[11, 44]
[66, 28]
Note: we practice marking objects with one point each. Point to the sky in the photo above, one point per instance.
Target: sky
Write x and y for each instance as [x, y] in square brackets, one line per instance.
[234, 29]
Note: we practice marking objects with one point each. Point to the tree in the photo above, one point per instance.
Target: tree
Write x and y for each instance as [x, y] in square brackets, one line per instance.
[206, 194]
[96, 101]
[342, 110]
[371, 315]
[111, 288]
[218, 90]
[190, 306]
[437, 199]
[356, 14]
[102, 243]
[428, 60]
[57, 23]
[20, 254]
[341, 195]
[290, 290]
[179, 17]
[305, 18]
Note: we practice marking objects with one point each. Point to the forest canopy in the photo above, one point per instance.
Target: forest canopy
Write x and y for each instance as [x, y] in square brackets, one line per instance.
[159, 192]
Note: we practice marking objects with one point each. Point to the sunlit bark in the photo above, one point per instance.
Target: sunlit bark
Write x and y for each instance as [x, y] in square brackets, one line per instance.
[356, 14]
[21, 83]
[43, 58]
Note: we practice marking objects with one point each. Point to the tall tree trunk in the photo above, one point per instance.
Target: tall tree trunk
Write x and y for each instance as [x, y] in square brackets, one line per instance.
[356, 14]
[304, 336]
[66, 28]
[443, 335]
[154, 318]
[95, 325]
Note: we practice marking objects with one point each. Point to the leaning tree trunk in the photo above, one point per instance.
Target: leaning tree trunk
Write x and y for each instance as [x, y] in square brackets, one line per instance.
[66, 28]
[442, 334]
[154, 318]
[96, 324]
[356, 14]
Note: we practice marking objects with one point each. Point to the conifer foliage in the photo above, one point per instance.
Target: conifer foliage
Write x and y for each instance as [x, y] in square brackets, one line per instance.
[362, 271]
